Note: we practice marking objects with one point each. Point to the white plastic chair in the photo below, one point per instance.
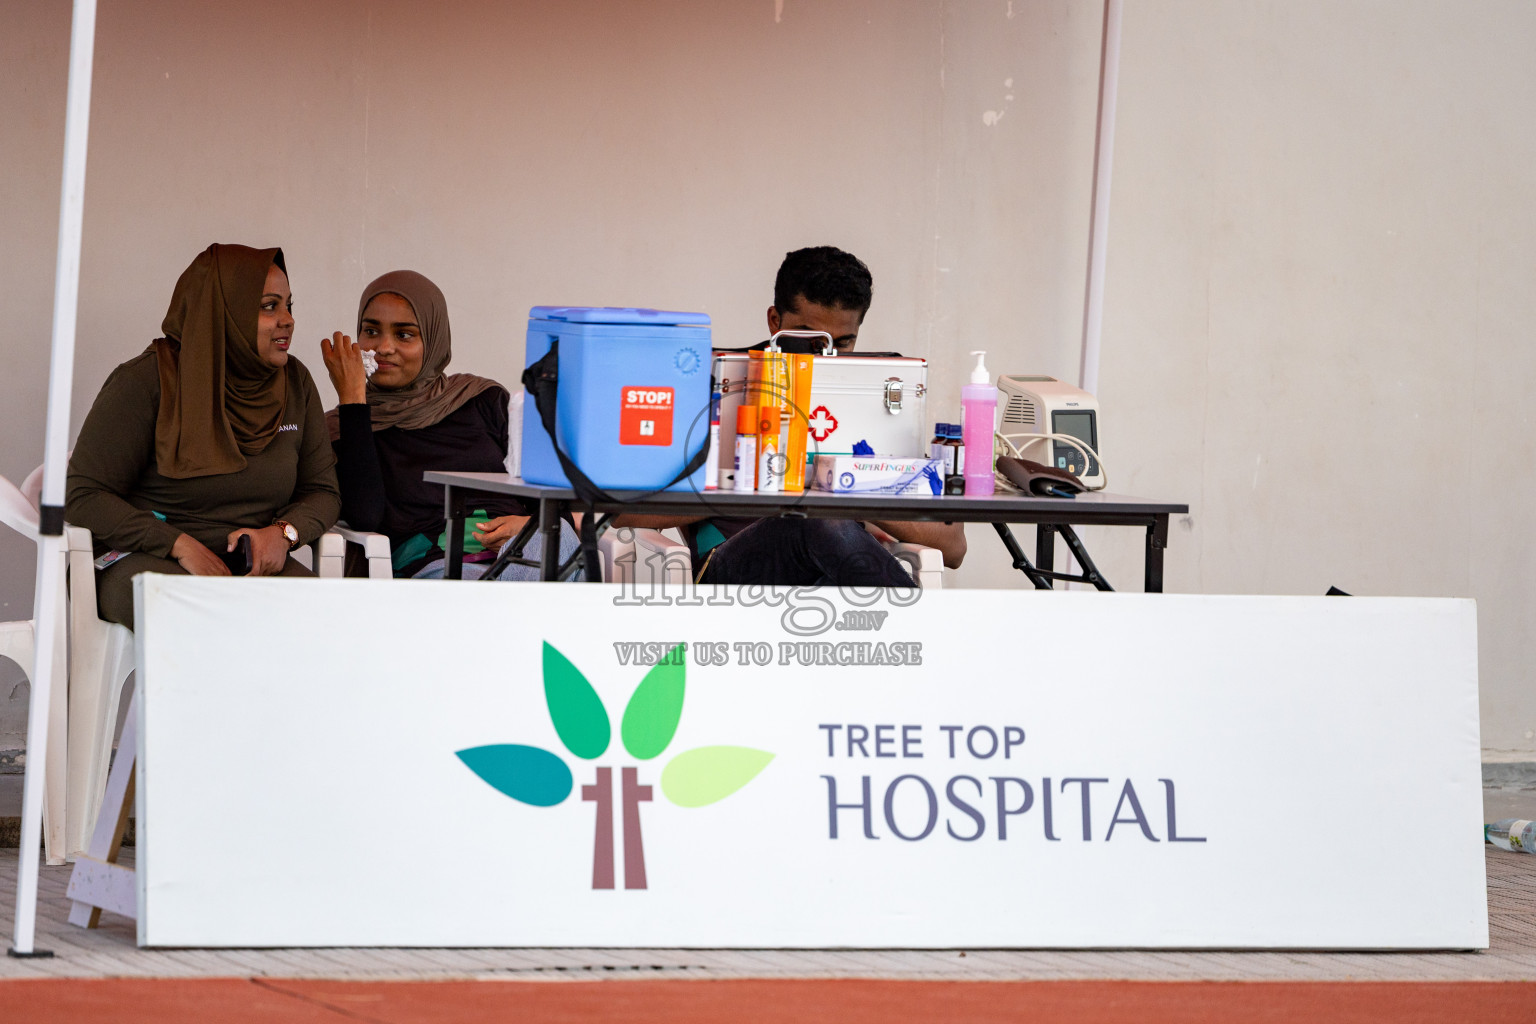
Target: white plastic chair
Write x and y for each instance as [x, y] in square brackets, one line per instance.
[19, 511]
[642, 557]
[616, 555]
[657, 560]
[101, 658]
[661, 560]
[924, 564]
[100, 661]
[375, 549]
[332, 549]
[379, 555]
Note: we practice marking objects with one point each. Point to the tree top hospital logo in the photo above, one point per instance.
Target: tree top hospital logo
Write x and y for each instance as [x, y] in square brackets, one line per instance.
[541, 778]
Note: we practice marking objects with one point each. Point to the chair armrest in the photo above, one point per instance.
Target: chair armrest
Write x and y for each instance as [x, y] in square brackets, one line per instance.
[16, 511]
[926, 564]
[331, 551]
[80, 564]
[927, 557]
[616, 554]
[373, 544]
[32, 486]
[659, 557]
[375, 547]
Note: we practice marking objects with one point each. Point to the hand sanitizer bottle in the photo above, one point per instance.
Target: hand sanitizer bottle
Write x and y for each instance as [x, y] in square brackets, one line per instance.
[979, 400]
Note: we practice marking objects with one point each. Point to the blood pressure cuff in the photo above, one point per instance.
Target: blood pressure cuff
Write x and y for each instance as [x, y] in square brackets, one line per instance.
[1038, 478]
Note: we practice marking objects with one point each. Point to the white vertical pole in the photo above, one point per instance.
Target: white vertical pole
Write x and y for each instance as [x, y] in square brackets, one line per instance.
[1098, 226]
[1098, 223]
[66, 292]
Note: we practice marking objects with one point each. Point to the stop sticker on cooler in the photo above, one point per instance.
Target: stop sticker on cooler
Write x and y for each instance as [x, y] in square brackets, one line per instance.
[645, 416]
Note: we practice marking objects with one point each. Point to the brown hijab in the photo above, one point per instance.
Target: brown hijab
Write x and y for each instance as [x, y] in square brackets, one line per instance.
[219, 400]
[433, 394]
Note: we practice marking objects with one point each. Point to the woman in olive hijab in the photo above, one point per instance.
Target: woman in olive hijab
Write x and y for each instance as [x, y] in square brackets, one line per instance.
[411, 416]
[211, 435]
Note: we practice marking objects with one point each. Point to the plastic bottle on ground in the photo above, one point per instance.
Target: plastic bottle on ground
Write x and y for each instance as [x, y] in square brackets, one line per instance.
[1514, 834]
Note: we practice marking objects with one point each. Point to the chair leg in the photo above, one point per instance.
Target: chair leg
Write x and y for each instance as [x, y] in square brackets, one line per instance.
[92, 716]
[56, 769]
[55, 846]
[18, 642]
[98, 881]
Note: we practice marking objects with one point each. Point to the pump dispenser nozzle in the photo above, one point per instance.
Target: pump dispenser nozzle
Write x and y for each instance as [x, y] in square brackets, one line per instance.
[980, 375]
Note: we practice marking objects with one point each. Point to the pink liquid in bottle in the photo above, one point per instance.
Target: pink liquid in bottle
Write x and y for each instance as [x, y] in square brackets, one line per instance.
[979, 400]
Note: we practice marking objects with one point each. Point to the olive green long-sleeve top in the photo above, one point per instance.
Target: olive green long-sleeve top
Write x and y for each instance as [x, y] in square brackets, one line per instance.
[114, 488]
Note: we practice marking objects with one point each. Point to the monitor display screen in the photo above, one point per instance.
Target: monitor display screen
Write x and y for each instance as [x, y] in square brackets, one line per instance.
[1081, 424]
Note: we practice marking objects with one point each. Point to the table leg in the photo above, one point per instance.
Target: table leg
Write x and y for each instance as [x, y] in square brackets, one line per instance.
[453, 564]
[1090, 571]
[1045, 550]
[510, 550]
[1020, 561]
[578, 559]
[1157, 541]
[549, 530]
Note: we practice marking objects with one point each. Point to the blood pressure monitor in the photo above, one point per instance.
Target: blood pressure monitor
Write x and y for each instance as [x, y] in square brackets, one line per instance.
[1037, 404]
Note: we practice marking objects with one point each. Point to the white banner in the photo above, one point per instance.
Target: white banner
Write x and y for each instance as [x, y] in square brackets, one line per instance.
[359, 763]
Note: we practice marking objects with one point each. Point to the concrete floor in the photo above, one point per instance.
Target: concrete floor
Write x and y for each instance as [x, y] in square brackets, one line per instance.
[1509, 803]
[10, 796]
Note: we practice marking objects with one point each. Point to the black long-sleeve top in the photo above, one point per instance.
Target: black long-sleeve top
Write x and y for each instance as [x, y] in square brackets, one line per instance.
[380, 472]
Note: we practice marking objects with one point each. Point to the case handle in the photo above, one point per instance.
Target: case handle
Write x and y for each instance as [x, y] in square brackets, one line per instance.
[828, 350]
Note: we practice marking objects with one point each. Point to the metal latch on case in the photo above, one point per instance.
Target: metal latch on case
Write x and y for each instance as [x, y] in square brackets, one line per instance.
[894, 388]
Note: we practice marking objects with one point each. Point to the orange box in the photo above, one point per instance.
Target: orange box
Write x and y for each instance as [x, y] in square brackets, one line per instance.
[796, 422]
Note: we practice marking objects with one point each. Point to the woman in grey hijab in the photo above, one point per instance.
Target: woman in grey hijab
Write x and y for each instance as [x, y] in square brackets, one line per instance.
[410, 416]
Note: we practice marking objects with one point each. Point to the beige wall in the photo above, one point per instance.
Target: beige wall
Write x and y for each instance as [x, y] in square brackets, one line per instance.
[1320, 305]
[1321, 239]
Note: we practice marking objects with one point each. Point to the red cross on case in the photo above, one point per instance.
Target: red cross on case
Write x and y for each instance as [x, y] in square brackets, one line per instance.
[822, 423]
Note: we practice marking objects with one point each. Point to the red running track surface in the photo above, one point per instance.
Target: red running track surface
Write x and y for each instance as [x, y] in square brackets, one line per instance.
[848, 1001]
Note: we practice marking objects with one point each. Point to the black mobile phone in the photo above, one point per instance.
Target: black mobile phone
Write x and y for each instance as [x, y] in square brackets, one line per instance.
[239, 560]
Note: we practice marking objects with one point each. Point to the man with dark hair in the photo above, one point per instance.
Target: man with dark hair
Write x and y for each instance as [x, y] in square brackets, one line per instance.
[821, 289]
[817, 289]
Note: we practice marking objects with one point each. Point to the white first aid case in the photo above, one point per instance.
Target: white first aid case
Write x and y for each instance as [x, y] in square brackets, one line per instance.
[881, 400]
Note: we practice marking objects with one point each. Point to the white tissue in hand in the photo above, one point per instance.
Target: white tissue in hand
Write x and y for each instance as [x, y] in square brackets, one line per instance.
[370, 363]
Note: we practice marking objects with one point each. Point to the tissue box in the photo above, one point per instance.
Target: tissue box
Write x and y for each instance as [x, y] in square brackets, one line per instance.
[875, 474]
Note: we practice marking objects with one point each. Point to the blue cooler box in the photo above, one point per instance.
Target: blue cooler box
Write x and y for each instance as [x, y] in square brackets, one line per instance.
[632, 403]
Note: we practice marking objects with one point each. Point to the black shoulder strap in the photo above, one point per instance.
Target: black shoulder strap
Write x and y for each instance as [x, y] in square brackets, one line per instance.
[542, 380]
